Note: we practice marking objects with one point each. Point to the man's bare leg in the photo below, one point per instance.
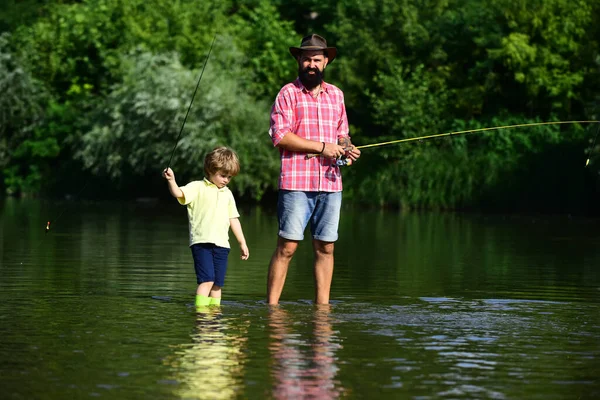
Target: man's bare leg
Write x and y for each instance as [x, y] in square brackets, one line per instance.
[280, 261]
[323, 270]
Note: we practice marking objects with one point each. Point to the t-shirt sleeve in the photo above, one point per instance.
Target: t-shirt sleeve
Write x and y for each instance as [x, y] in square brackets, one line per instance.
[190, 193]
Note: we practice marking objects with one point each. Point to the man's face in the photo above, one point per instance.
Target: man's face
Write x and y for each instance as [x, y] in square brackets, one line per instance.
[311, 68]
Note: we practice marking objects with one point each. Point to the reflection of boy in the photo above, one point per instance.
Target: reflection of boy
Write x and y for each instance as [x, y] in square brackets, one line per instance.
[212, 366]
[211, 212]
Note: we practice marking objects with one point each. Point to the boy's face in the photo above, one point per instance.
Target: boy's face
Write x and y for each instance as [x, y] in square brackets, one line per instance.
[220, 179]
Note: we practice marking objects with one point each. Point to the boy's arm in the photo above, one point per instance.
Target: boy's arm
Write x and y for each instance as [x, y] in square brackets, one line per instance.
[173, 188]
[236, 228]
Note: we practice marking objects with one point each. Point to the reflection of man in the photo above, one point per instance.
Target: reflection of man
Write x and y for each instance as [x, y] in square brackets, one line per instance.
[309, 116]
[301, 375]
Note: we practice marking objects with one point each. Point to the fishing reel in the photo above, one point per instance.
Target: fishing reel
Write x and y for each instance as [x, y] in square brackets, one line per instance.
[342, 161]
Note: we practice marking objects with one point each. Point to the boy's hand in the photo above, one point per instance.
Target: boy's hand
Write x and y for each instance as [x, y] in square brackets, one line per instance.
[245, 253]
[168, 174]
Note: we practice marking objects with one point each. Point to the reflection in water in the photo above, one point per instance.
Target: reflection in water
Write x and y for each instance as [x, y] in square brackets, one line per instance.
[446, 306]
[212, 366]
[303, 368]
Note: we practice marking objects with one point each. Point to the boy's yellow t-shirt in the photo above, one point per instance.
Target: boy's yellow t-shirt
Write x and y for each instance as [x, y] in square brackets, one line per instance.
[209, 210]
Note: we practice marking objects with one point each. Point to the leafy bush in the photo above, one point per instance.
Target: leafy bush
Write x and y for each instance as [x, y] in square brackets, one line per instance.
[137, 124]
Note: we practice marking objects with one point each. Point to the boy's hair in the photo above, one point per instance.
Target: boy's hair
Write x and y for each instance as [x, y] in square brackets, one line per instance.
[221, 159]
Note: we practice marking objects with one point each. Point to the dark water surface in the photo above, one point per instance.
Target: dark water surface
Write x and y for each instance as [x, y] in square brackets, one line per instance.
[424, 306]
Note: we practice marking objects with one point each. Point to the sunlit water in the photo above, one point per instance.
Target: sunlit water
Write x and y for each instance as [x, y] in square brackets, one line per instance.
[424, 306]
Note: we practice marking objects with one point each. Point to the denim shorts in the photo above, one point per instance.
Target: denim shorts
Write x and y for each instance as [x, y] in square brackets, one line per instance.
[296, 208]
[210, 263]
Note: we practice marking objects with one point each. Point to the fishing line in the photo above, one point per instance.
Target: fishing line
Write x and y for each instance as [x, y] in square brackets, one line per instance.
[64, 208]
[192, 101]
[587, 162]
[475, 130]
[49, 222]
[439, 135]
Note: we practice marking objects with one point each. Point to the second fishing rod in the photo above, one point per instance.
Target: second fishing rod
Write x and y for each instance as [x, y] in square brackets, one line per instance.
[343, 161]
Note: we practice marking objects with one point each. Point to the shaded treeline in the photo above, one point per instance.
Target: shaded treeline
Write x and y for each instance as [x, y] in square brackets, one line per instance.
[96, 90]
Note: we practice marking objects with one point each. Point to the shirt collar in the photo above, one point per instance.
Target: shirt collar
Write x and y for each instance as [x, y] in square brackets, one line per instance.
[302, 88]
[210, 184]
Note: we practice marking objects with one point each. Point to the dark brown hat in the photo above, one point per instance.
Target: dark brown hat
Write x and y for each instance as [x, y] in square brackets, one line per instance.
[314, 42]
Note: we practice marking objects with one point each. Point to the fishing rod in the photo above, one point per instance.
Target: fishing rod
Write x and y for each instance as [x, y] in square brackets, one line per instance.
[48, 223]
[191, 102]
[439, 135]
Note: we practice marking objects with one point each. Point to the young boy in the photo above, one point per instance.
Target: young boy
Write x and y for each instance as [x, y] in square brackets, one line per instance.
[211, 211]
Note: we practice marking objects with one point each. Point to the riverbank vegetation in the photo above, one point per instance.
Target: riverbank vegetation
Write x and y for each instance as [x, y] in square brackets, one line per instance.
[94, 92]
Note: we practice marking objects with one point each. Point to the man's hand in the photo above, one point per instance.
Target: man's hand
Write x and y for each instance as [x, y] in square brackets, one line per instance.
[351, 153]
[343, 148]
[332, 150]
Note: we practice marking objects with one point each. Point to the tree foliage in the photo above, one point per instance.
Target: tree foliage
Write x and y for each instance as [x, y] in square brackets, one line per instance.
[22, 145]
[106, 83]
[139, 121]
[439, 66]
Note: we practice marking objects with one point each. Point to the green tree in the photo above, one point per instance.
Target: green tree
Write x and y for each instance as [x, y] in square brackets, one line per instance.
[138, 123]
[93, 73]
[81, 43]
[265, 39]
[435, 66]
[76, 50]
[22, 149]
[15, 13]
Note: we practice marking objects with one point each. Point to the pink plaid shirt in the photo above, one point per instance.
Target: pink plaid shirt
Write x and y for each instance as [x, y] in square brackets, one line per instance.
[322, 119]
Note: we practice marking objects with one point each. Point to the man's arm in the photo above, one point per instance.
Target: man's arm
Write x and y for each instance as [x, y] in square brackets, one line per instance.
[282, 137]
[293, 142]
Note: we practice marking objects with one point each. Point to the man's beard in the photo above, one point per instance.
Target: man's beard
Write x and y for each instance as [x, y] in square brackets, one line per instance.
[311, 81]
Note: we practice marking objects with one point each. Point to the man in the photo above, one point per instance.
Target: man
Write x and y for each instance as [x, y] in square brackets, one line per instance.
[309, 118]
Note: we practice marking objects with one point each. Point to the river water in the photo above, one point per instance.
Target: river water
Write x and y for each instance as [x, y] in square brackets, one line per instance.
[424, 306]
